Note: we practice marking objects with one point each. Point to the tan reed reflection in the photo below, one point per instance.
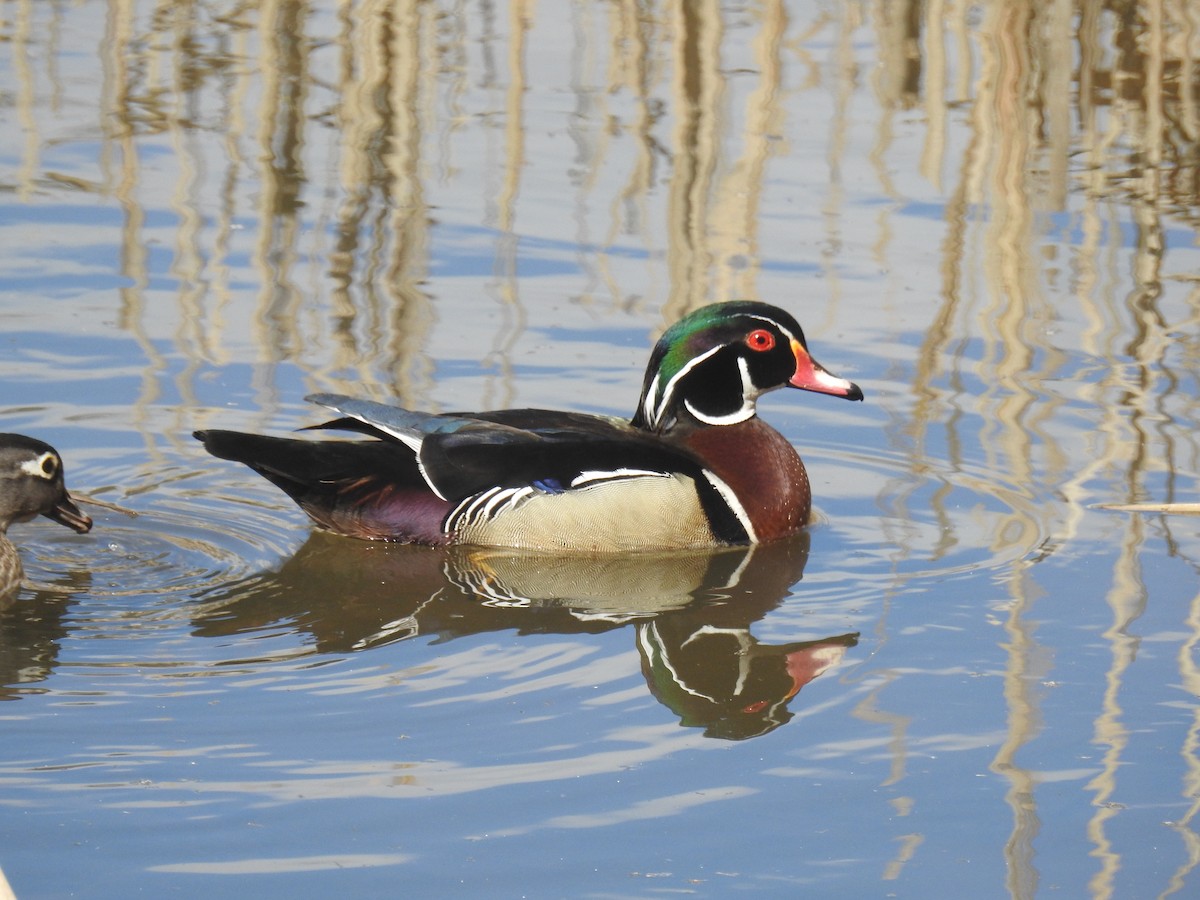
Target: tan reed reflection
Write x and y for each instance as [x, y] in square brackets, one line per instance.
[842, 89]
[698, 92]
[502, 214]
[1189, 669]
[1127, 599]
[936, 71]
[380, 258]
[994, 172]
[121, 143]
[1134, 96]
[323, 184]
[1000, 170]
[30, 151]
[713, 197]
[737, 210]
[636, 69]
[1016, 166]
[282, 136]
[1140, 100]
[382, 223]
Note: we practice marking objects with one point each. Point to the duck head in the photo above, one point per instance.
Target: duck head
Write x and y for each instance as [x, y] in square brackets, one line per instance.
[712, 365]
[31, 484]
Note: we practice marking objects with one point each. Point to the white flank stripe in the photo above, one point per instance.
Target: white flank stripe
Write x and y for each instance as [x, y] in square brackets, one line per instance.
[467, 511]
[591, 477]
[486, 507]
[670, 388]
[498, 499]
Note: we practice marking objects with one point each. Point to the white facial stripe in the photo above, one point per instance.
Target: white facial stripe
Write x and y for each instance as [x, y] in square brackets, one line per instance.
[653, 651]
[654, 413]
[648, 404]
[749, 389]
[37, 467]
[771, 321]
[669, 389]
[734, 504]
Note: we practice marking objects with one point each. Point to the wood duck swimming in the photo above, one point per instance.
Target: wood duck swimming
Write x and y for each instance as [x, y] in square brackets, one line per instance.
[694, 467]
[31, 484]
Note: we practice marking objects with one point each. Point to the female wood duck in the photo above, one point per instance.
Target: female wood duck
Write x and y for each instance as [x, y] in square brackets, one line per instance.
[695, 467]
[31, 484]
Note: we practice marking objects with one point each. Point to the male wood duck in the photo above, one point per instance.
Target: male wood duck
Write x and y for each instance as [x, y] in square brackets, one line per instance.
[31, 484]
[694, 467]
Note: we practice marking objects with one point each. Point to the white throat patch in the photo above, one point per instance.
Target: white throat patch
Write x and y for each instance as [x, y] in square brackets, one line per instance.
[750, 394]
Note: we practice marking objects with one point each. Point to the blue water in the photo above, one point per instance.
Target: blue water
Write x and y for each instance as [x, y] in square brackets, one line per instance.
[970, 671]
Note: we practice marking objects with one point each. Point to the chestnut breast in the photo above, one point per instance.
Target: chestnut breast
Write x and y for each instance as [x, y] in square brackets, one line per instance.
[761, 468]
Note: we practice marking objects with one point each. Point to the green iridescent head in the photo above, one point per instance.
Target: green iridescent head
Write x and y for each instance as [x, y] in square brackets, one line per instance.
[713, 364]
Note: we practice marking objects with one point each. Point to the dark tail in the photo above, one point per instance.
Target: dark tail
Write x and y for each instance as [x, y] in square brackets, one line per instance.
[366, 489]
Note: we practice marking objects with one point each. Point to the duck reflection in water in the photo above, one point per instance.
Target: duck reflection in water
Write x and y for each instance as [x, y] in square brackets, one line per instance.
[692, 613]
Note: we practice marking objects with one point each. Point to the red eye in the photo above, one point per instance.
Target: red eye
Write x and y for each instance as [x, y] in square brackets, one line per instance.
[760, 339]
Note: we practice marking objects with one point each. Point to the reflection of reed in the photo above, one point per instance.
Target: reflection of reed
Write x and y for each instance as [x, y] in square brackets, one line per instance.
[199, 80]
[1138, 102]
[698, 88]
[383, 219]
[1015, 165]
[1127, 600]
[635, 70]
[737, 210]
[1189, 669]
[281, 176]
[25, 102]
[120, 136]
[402, 65]
[1015, 356]
[503, 215]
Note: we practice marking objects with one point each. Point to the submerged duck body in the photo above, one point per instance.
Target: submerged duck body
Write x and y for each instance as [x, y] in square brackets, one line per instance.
[31, 484]
[694, 467]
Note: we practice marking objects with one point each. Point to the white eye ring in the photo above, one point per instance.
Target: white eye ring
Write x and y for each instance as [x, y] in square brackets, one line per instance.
[45, 466]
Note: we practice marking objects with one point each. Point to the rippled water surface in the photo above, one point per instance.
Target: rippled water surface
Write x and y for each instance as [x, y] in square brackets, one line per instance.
[973, 670]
